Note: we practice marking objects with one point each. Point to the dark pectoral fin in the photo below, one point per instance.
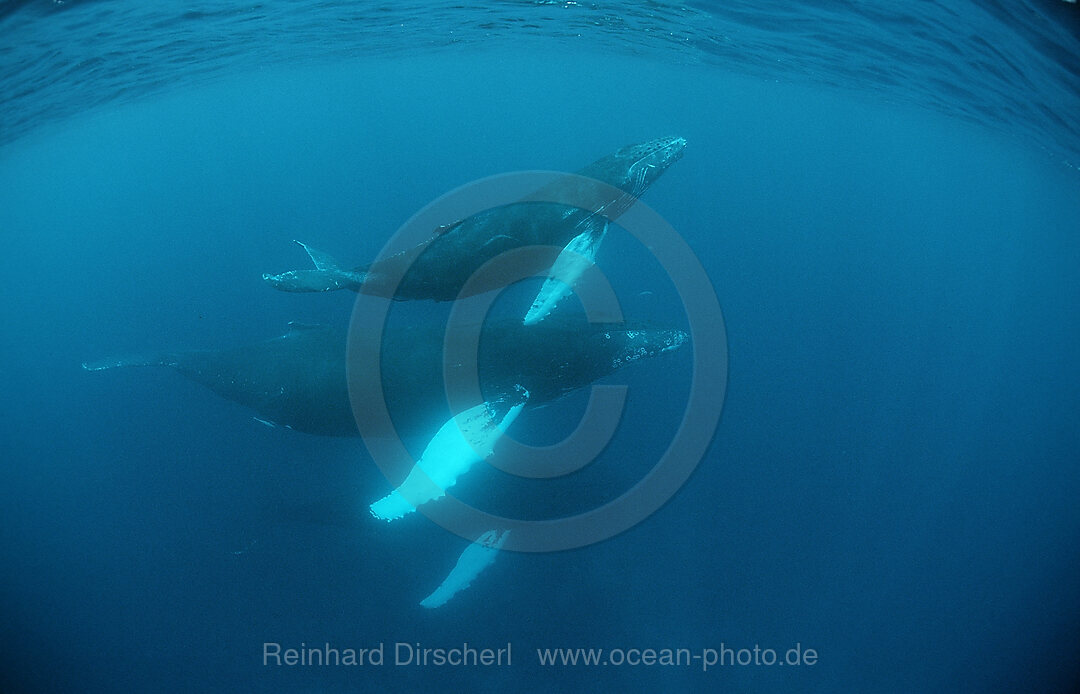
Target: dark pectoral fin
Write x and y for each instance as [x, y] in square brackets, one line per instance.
[479, 555]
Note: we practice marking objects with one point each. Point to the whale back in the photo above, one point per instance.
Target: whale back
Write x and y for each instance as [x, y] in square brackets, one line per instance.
[296, 380]
[300, 380]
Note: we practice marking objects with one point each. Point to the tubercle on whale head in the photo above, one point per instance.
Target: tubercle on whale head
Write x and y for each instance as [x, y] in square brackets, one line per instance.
[634, 168]
[662, 151]
[633, 344]
[650, 160]
[671, 340]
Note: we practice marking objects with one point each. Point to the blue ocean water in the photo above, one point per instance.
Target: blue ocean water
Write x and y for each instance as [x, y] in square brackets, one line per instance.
[885, 200]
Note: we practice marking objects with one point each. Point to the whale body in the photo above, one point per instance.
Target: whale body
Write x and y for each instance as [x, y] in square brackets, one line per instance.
[440, 268]
[299, 380]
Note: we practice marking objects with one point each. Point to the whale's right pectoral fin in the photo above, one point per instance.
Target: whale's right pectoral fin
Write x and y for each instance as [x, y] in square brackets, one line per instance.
[479, 555]
[577, 257]
[327, 276]
[466, 439]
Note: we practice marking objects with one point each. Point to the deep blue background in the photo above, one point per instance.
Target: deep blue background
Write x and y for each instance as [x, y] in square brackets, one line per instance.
[894, 481]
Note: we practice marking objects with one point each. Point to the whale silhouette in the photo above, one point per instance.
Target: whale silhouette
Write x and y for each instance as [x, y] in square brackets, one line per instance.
[440, 268]
[299, 380]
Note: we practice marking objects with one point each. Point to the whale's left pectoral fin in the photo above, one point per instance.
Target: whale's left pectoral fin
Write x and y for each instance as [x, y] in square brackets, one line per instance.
[479, 555]
[466, 439]
[577, 257]
[327, 276]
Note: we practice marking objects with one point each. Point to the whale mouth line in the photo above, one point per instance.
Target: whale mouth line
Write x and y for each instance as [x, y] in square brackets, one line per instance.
[676, 143]
[638, 171]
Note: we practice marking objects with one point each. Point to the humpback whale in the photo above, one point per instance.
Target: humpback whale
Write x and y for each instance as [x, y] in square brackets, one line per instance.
[296, 380]
[299, 380]
[456, 251]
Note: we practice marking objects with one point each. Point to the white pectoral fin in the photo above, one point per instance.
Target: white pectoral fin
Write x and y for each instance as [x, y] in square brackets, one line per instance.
[477, 556]
[466, 439]
[577, 257]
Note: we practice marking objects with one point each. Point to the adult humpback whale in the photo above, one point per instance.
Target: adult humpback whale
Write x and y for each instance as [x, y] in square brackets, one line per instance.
[457, 251]
[299, 380]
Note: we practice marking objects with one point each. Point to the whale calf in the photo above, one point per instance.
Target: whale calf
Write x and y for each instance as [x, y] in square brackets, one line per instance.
[441, 270]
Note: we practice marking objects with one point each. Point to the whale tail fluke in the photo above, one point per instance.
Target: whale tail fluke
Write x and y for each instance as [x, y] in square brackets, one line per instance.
[156, 360]
[327, 276]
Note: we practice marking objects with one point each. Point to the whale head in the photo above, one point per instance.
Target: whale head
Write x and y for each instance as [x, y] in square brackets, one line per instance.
[564, 353]
[634, 168]
[627, 343]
